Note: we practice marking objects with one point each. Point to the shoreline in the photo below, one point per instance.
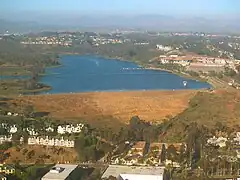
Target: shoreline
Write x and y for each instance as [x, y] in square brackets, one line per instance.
[121, 91]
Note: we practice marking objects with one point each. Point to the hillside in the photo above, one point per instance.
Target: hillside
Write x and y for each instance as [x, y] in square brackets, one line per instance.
[40, 155]
[208, 109]
[120, 106]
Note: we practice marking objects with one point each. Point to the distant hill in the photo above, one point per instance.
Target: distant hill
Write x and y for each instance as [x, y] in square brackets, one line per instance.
[18, 26]
[147, 22]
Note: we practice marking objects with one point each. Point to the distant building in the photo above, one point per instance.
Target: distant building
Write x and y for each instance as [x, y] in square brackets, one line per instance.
[63, 129]
[181, 60]
[163, 48]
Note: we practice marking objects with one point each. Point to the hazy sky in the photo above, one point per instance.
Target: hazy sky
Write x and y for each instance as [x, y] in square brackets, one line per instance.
[163, 7]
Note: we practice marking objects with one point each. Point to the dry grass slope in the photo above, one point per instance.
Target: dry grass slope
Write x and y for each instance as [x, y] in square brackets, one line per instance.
[207, 109]
[41, 154]
[148, 105]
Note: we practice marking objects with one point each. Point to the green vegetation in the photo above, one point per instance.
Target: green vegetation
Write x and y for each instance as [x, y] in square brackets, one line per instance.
[206, 109]
[23, 59]
[17, 60]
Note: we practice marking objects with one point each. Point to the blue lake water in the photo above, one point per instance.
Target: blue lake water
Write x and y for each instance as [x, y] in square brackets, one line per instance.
[91, 73]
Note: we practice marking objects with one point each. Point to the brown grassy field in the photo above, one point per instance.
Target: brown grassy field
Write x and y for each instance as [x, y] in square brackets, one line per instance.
[41, 154]
[148, 105]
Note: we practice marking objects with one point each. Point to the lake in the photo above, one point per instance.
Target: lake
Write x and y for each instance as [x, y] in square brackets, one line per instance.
[91, 73]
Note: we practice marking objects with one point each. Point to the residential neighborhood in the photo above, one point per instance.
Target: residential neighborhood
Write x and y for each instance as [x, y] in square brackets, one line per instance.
[153, 154]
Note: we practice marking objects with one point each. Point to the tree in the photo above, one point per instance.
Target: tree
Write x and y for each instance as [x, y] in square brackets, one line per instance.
[30, 154]
[6, 145]
[163, 153]
[191, 140]
[137, 127]
[182, 154]
[132, 53]
[229, 72]
[172, 153]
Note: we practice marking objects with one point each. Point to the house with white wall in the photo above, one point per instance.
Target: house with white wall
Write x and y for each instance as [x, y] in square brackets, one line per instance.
[63, 129]
[220, 141]
[32, 132]
[49, 129]
[47, 141]
[13, 129]
[4, 139]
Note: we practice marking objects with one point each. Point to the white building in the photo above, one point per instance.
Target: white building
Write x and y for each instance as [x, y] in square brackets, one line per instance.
[32, 132]
[237, 138]
[220, 61]
[13, 129]
[5, 139]
[163, 48]
[3, 125]
[49, 129]
[221, 141]
[46, 141]
[70, 128]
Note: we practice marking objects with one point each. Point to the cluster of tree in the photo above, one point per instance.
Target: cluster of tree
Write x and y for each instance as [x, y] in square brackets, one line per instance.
[12, 52]
[136, 130]
[27, 59]
[88, 149]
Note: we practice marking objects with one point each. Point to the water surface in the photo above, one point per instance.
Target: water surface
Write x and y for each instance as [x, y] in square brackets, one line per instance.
[91, 73]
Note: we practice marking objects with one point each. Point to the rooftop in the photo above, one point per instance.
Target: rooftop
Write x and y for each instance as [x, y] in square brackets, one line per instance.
[66, 169]
[139, 144]
[156, 145]
[140, 177]
[176, 145]
[116, 170]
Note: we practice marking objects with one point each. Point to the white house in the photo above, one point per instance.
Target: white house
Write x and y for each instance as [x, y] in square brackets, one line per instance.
[163, 48]
[4, 125]
[221, 141]
[13, 129]
[46, 141]
[5, 139]
[32, 132]
[70, 129]
[49, 129]
[174, 164]
[61, 130]
[237, 138]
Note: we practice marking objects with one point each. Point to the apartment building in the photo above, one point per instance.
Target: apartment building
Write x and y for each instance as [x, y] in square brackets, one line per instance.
[47, 141]
[63, 129]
